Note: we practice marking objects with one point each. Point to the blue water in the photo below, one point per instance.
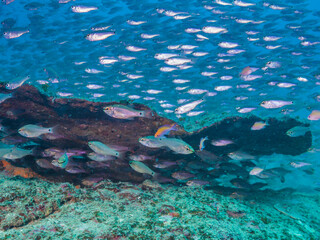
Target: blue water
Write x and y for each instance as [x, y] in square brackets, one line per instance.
[56, 42]
[227, 58]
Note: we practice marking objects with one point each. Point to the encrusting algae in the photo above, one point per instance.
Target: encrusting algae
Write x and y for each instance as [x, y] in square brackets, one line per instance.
[36, 209]
[12, 170]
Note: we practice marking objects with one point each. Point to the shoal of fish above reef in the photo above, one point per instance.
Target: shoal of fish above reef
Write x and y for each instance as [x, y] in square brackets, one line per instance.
[73, 139]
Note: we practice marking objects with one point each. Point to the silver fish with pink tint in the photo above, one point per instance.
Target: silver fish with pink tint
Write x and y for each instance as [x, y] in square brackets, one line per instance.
[182, 175]
[98, 36]
[141, 157]
[221, 142]
[14, 34]
[272, 104]
[125, 112]
[197, 182]
[165, 164]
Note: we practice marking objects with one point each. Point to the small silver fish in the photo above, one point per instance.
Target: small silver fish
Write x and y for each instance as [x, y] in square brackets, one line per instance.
[95, 164]
[141, 157]
[239, 156]
[271, 104]
[124, 112]
[100, 158]
[297, 131]
[299, 164]
[255, 171]
[273, 173]
[165, 164]
[141, 168]
[272, 64]
[4, 151]
[98, 36]
[16, 83]
[258, 126]
[188, 107]
[4, 97]
[74, 169]
[103, 149]
[221, 142]
[178, 145]
[17, 153]
[182, 175]
[151, 142]
[83, 9]
[33, 131]
[14, 34]
[197, 182]
[44, 163]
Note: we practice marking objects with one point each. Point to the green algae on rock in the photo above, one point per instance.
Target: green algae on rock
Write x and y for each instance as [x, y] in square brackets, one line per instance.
[36, 209]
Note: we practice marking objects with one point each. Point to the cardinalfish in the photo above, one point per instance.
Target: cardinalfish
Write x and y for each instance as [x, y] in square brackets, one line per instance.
[299, 164]
[166, 129]
[100, 148]
[297, 131]
[259, 126]
[247, 71]
[16, 153]
[178, 145]
[4, 96]
[33, 131]
[201, 145]
[141, 168]
[314, 115]
[124, 112]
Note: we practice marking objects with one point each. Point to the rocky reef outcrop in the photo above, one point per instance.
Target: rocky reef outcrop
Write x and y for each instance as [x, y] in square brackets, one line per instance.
[78, 121]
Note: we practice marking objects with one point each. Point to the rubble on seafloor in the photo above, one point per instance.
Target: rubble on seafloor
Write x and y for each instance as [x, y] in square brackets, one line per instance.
[79, 121]
[38, 209]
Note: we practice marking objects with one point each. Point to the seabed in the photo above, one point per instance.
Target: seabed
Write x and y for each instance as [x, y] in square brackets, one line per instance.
[38, 209]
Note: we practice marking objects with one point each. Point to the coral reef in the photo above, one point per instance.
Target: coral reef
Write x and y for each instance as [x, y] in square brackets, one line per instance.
[36, 209]
[79, 121]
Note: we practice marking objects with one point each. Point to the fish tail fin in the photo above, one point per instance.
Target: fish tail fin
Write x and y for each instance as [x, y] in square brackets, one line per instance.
[148, 114]
[175, 127]
[52, 134]
[121, 154]
[54, 129]
[35, 151]
[258, 185]
[155, 175]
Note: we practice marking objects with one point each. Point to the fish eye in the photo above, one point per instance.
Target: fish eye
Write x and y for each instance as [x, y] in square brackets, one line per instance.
[107, 108]
[140, 113]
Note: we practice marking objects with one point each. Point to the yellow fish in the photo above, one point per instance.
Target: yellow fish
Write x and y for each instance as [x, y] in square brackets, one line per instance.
[166, 129]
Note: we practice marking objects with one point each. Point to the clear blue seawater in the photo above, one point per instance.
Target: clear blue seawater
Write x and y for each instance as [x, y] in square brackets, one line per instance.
[56, 52]
[240, 58]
